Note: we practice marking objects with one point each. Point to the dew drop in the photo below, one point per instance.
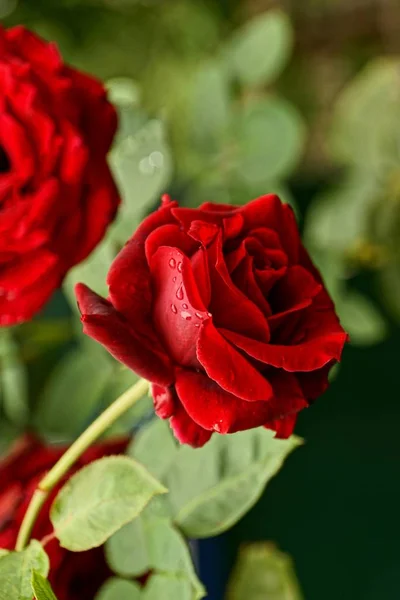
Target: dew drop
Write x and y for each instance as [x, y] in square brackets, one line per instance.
[209, 314]
[199, 316]
[184, 306]
[186, 315]
[174, 309]
[180, 267]
[196, 325]
[172, 263]
[179, 293]
[217, 427]
[174, 279]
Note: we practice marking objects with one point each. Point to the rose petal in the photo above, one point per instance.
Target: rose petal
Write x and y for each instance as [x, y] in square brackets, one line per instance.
[164, 401]
[243, 277]
[104, 324]
[203, 232]
[268, 211]
[283, 427]
[178, 310]
[201, 275]
[129, 275]
[229, 368]
[231, 223]
[169, 235]
[309, 355]
[215, 409]
[186, 430]
[229, 306]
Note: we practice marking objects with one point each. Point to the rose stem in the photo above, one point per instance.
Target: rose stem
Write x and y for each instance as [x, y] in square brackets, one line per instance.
[74, 452]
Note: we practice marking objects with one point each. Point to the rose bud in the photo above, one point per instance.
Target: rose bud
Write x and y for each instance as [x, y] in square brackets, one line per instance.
[220, 308]
[74, 576]
[57, 196]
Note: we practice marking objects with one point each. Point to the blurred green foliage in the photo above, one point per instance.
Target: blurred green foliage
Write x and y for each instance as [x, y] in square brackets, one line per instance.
[218, 101]
[262, 572]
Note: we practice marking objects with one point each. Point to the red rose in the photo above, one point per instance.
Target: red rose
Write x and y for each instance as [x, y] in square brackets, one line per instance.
[222, 310]
[74, 576]
[57, 196]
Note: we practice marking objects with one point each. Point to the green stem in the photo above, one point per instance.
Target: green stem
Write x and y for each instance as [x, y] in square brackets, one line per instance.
[74, 452]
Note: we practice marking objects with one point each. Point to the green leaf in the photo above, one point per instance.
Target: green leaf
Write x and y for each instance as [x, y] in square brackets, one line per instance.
[211, 488]
[338, 219]
[119, 589]
[361, 319]
[16, 571]
[259, 51]
[263, 573]
[123, 92]
[99, 500]
[126, 550]
[372, 97]
[3, 552]
[155, 448]
[270, 137]
[73, 391]
[92, 271]
[13, 380]
[41, 587]
[152, 543]
[389, 279]
[142, 166]
[209, 106]
[167, 587]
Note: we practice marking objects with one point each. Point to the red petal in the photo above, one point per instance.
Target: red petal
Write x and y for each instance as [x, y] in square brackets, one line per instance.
[178, 309]
[186, 430]
[309, 355]
[268, 211]
[169, 235]
[215, 409]
[203, 232]
[243, 277]
[227, 367]
[230, 307]
[104, 324]
[129, 275]
[283, 427]
[231, 223]
[201, 274]
[315, 383]
[17, 307]
[164, 401]
[292, 293]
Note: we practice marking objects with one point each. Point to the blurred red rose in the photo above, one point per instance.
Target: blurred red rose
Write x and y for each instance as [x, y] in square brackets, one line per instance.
[57, 196]
[74, 576]
[222, 310]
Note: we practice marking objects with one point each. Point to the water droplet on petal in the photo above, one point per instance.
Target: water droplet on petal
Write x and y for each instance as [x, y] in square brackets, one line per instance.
[179, 293]
[180, 267]
[217, 427]
[199, 316]
[196, 325]
[174, 279]
[186, 315]
[174, 309]
[172, 263]
[184, 306]
[209, 314]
